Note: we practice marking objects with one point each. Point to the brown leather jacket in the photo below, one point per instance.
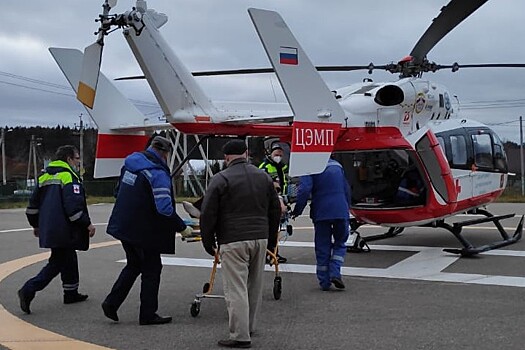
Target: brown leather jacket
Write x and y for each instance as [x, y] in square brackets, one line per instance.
[240, 204]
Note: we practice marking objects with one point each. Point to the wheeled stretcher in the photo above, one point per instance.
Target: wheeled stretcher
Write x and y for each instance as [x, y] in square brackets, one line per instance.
[207, 288]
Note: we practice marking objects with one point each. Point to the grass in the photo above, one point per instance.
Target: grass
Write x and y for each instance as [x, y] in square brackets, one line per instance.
[511, 196]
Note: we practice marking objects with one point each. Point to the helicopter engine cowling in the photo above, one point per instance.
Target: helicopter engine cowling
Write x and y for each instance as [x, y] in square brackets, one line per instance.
[389, 95]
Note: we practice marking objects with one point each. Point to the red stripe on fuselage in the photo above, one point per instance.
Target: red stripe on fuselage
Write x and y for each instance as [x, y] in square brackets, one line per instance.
[283, 131]
[119, 146]
[421, 214]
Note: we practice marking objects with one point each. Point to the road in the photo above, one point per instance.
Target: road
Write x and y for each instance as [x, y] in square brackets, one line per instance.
[404, 294]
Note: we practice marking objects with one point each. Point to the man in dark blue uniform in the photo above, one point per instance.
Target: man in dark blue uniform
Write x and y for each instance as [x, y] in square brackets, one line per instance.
[329, 211]
[144, 219]
[58, 213]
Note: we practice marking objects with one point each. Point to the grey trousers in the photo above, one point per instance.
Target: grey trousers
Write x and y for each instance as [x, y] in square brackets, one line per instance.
[242, 273]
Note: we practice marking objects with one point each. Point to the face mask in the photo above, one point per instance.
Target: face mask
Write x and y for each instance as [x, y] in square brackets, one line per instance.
[277, 159]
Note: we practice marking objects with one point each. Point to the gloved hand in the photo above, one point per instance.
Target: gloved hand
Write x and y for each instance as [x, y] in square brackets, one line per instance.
[187, 232]
[271, 248]
[211, 249]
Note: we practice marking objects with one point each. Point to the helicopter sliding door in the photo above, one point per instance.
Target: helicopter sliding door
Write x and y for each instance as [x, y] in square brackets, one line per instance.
[385, 178]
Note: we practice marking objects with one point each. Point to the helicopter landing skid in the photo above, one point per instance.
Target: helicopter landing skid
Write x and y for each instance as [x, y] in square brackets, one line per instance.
[392, 232]
[468, 248]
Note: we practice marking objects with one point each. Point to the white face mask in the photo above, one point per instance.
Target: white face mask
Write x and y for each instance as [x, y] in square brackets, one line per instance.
[277, 159]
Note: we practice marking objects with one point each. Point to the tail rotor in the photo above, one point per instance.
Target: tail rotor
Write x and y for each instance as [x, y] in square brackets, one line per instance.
[87, 84]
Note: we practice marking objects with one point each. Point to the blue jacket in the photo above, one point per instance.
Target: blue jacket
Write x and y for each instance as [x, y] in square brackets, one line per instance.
[144, 212]
[58, 208]
[329, 191]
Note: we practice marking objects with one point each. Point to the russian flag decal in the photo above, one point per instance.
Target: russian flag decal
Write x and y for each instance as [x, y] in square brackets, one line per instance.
[288, 55]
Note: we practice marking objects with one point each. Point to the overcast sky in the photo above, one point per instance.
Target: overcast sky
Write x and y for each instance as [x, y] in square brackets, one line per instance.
[218, 34]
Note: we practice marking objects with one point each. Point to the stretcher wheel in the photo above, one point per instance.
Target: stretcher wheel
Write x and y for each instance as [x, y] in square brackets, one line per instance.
[277, 287]
[195, 308]
[206, 288]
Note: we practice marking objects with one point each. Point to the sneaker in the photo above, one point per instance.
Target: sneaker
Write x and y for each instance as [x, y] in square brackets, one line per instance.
[155, 320]
[228, 343]
[25, 301]
[190, 209]
[71, 298]
[338, 283]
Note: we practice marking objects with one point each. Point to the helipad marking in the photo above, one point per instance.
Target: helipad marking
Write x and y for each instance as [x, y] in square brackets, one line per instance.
[17, 334]
[425, 265]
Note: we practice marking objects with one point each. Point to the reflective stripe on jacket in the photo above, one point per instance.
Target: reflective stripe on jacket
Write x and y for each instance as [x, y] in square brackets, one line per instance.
[144, 213]
[276, 171]
[58, 208]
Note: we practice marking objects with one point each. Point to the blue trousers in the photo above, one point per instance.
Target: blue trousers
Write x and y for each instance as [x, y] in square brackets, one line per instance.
[330, 249]
[139, 262]
[62, 261]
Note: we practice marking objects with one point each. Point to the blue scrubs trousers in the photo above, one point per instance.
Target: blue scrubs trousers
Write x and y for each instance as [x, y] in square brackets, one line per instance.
[330, 249]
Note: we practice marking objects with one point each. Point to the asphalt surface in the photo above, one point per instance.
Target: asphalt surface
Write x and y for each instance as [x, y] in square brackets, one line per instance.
[398, 310]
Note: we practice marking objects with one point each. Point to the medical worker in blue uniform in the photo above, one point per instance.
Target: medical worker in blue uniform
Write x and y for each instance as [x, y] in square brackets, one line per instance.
[329, 211]
[145, 221]
[59, 216]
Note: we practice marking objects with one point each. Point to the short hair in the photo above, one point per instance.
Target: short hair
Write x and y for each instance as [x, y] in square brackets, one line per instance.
[65, 152]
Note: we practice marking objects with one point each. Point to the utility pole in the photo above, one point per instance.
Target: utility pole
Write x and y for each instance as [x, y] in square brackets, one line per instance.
[521, 157]
[2, 141]
[81, 146]
[32, 159]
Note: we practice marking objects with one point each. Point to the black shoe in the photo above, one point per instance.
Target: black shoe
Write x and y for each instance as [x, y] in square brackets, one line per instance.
[228, 343]
[25, 301]
[74, 298]
[281, 259]
[338, 283]
[109, 311]
[156, 320]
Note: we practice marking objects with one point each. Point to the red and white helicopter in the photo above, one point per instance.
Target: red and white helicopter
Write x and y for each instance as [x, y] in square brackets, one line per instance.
[382, 133]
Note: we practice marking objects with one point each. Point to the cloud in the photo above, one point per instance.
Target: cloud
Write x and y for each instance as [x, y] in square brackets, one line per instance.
[218, 34]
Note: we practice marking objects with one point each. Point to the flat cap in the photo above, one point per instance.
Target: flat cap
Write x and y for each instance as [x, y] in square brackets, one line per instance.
[235, 146]
[161, 143]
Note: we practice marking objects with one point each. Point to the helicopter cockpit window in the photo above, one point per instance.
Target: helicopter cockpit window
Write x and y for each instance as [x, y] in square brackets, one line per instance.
[458, 146]
[383, 178]
[482, 151]
[500, 159]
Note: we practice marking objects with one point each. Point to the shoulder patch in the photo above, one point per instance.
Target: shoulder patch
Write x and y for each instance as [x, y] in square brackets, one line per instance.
[129, 178]
[76, 189]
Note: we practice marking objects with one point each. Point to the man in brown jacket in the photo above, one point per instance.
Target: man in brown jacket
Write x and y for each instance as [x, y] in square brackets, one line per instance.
[240, 212]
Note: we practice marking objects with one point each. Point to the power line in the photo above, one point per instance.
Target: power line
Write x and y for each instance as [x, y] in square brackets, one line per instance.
[57, 86]
[35, 88]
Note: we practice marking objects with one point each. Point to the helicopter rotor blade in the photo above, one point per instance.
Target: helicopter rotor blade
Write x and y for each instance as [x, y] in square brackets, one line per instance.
[392, 67]
[262, 71]
[451, 15]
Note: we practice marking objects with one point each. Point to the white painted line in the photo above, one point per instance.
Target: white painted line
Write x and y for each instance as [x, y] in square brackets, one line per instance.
[425, 265]
[17, 230]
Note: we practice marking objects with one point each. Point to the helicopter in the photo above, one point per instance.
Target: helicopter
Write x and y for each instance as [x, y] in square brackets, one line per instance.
[383, 134]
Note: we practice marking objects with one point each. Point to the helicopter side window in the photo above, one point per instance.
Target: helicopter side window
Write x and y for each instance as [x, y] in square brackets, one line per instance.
[458, 146]
[482, 151]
